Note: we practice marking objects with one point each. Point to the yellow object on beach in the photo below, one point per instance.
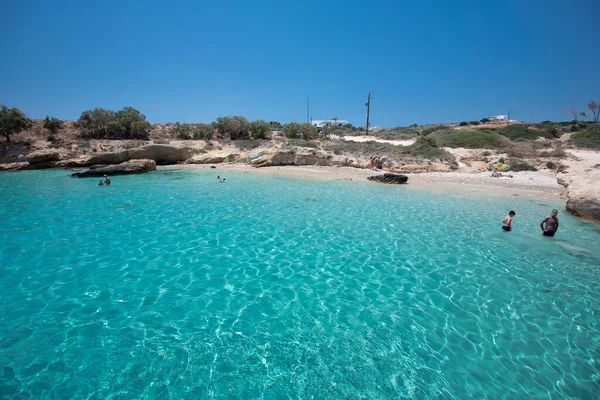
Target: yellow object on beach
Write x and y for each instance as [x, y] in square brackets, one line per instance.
[500, 167]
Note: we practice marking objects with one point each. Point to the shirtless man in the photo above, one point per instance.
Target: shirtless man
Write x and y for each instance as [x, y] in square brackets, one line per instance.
[506, 223]
[106, 180]
[551, 224]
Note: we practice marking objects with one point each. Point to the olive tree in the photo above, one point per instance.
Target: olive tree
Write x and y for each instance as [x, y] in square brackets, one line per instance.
[595, 109]
[236, 127]
[12, 121]
[259, 129]
[52, 124]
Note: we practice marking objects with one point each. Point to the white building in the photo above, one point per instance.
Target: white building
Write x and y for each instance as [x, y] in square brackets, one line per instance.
[322, 123]
[498, 118]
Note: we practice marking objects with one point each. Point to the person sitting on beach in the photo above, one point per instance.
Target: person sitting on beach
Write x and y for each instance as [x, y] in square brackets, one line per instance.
[495, 174]
[507, 221]
[379, 164]
[372, 162]
[550, 224]
[106, 180]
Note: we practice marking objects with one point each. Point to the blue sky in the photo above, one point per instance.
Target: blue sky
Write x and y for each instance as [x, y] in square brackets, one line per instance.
[424, 61]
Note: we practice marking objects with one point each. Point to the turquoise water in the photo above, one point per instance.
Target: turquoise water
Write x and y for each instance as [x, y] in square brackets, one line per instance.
[170, 285]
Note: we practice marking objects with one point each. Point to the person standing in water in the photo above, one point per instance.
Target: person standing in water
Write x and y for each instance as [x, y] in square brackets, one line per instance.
[550, 224]
[506, 223]
[106, 180]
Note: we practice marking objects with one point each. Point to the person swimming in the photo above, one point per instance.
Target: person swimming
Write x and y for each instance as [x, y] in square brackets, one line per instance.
[507, 221]
[550, 224]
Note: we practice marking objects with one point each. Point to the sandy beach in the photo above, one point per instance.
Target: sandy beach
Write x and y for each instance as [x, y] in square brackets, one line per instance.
[531, 184]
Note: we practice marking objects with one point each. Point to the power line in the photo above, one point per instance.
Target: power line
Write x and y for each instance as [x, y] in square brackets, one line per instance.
[368, 104]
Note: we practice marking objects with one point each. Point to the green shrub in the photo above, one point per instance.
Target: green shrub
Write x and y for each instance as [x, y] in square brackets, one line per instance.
[481, 139]
[203, 132]
[260, 129]
[523, 131]
[308, 131]
[433, 128]
[12, 121]
[473, 122]
[425, 147]
[196, 132]
[586, 138]
[305, 131]
[517, 165]
[396, 133]
[275, 125]
[556, 153]
[182, 131]
[52, 124]
[127, 123]
[464, 123]
[484, 120]
[292, 130]
[234, 128]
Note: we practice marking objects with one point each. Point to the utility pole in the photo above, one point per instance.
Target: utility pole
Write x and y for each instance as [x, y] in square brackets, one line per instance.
[508, 119]
[308, 109]
[368, 104]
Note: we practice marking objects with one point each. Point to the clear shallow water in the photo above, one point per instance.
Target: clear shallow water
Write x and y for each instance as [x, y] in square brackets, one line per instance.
[169, 285]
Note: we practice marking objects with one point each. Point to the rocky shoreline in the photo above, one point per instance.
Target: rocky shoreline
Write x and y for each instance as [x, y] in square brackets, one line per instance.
[572, 185]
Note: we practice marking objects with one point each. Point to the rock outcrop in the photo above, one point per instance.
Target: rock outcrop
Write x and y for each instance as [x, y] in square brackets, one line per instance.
[389, 178]
[109, 158]
[584, 208]
[42, 156]
[128, 167]
[213, 158]
[163, 154]
[289, 158]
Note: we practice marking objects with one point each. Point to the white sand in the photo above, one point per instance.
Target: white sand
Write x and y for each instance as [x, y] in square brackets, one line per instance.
[374, 139]
[533, 184]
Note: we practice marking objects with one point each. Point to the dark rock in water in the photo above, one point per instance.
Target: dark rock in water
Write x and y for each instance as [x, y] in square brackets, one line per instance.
[129, 167]
[389, 178]
[213, 167]
[584, 208]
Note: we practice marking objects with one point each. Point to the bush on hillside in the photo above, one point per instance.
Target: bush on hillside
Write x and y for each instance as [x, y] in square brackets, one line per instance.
[464, 123]
[203, 132]
[518, 165]
[52, 124]
[473, 122]
[259, 129]
[234, 128]
[433, 128]
[127, 123]
[275, 125]
[12, 121]
[189, 132]
[556, 153]
[425, 147]
[484, 120]
[398, 133]
[523, 131]
[481, 139]
[586, 138]
[305, 131]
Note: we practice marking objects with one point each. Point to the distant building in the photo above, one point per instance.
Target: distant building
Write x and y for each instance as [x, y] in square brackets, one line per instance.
[498, 118]
[322, 123]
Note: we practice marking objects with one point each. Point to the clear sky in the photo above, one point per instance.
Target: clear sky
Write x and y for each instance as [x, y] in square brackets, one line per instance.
[192, 61]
